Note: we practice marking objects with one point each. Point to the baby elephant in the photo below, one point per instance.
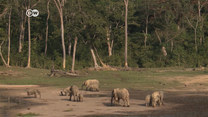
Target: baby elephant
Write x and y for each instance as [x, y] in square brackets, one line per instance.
[161, 97]
[80, 97]
[65, 91]
[118, 94]
[34, 92]
[148, 100]
[74, 91]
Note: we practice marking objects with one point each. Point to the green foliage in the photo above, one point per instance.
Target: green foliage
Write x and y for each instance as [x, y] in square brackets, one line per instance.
[89, 20]
[27, 115]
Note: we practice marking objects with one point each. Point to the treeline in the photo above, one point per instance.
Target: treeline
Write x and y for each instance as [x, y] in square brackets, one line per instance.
[161, 33]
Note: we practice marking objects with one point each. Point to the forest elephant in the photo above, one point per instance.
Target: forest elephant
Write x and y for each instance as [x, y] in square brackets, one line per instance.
[93, 87]
[89, 82]
[118, 94]
[161, 97]
[65, 91]
[148, 100]
[80, 97]
[156, 98]
[34, 92]
[74, 91]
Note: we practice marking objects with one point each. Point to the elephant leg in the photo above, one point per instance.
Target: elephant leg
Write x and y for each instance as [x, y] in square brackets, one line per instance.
[118, 100]
[162, 101]
[87, 88]
[112, 100]
[74, 98]
[128, 105]
[77, 98]
[70, 97]
[124, 102]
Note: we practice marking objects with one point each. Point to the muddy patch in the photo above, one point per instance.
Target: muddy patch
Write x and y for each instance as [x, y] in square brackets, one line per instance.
[189, 104]
[97, 104]
[9, 102]
[97, 95]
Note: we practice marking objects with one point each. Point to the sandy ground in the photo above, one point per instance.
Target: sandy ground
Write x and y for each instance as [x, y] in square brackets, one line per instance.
[52, 105]
[13, 100]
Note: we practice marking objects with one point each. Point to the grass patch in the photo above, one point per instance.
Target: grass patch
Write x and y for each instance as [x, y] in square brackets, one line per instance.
[69, 110]
[142, 80]
[27, 115]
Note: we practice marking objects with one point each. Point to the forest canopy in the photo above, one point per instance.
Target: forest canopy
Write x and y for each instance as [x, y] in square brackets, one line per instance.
[177, 27]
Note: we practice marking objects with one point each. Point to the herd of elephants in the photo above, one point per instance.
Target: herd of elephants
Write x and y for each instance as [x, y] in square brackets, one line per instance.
[154, 99]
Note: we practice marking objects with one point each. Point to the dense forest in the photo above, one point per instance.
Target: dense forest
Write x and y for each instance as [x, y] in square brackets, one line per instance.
[93, 33]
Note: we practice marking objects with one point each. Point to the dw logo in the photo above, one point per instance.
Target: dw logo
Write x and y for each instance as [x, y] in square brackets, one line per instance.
[31, 12]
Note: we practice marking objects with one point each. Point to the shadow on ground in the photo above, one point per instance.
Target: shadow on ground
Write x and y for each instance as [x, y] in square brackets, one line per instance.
[191, 104]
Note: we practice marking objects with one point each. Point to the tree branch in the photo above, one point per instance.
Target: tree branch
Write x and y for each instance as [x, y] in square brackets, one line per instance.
[4, 12]
[189, 22]
[35, 4]
[58, 7]
[158, 36]
[111, 44]
[174, 36]
[205, 2]
[59, 3]
[126, 2]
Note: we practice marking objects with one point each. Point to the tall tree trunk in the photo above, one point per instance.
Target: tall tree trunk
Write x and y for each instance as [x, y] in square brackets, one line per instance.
[146, 22]
[199, 9]
[69, 46]
[22, 30]
[29, 44]
[146, 32]
[46, 40]
[201, 40]
[201, 19]
[172, 43]
[126, 33]
[59, 6]
[29, 36]
[63, 44]
[195, 40]
[195, 31]
[110, 45]
[9, 32]
[2, 54]
[94, 59]
[103, 64]
[178, 27]
[74, 54]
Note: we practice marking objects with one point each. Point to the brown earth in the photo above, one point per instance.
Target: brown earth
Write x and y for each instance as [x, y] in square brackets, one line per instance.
[53, 105]
[186, 102]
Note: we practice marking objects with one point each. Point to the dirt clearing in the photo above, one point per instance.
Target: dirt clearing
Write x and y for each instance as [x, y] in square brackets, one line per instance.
[97, 103]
